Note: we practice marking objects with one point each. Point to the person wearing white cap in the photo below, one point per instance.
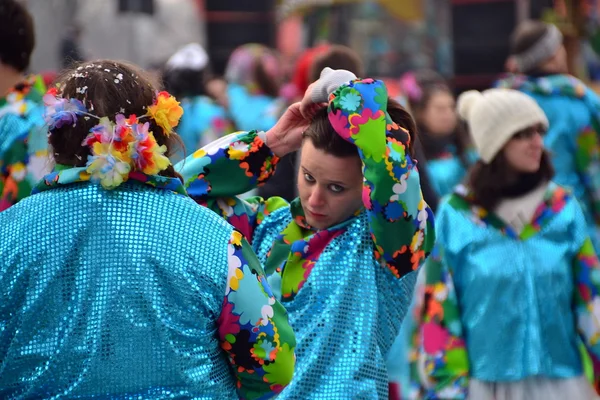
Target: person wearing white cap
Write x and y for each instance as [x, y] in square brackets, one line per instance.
[512, 287]
[204, 119]
[539, 65]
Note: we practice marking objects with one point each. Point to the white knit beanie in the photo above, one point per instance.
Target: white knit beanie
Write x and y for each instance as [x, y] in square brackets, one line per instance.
[495, 115]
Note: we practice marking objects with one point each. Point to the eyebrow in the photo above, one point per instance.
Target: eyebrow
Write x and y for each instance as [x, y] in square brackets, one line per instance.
[330, 182]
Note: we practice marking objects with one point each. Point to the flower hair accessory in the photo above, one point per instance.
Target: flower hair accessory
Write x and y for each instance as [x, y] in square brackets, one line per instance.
[60, 112]
[117, 147]
[166, 112]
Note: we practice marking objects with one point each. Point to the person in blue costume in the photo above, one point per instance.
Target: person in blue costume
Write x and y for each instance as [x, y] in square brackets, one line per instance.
[342, 256]
[254, 78]
[186, 76]
[23, 145]
[113, 282]
[510, 307]
[445, 145]
[539, 64]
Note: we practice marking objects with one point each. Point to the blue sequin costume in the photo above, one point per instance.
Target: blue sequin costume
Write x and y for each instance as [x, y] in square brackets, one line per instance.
[136, 293]
[500, 306]
[347, 287]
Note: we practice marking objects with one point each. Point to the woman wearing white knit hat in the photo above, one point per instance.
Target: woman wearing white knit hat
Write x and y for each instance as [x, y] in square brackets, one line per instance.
[540, 64]
[513, 285]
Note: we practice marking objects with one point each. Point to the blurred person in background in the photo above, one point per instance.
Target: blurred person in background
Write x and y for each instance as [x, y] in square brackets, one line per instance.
[510, 303]
[444, 160]
[254, 79]
[23, 144]
[445, 145]
[301, 78]
[70, 47]
[185, 76]
[538, 63]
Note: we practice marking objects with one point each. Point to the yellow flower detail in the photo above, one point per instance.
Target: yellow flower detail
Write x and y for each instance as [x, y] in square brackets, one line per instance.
[159, 162]
[108, 165]
[166, 112]
[236, 238]
[234, 282]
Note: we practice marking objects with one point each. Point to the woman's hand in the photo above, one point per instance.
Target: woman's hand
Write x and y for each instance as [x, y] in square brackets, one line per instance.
[308, 108]
[286, 136]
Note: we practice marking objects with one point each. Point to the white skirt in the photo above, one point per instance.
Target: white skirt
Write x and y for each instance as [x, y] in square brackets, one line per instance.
[533, 389]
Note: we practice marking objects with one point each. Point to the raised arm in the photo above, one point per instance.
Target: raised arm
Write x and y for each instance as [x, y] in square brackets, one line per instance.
[237, 163]
[401, 222]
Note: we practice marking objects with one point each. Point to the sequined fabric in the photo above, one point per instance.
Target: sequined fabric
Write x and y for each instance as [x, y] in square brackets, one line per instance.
[448, 170]
[502, 307]
[346, 288]
[133, 293]
[345, 317]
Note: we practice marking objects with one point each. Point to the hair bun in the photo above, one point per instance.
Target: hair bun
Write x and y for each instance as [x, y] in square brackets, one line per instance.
[466, 101]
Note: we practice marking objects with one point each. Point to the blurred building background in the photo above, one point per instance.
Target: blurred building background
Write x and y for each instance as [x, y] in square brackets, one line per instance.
[147, 35]
[464, 40]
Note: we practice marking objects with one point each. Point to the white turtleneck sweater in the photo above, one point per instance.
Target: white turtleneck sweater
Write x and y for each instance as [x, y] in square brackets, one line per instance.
[519, 211]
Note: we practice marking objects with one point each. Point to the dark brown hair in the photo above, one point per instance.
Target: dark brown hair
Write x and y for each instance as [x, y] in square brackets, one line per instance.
[336, 57]
[324, 137]
[431, 83]
[488, 183]
[268, 84]
[106, 88]
[185, 82]
[17, 35]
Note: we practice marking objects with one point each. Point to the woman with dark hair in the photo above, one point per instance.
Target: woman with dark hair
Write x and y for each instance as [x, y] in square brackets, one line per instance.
[512, 287]
[342, 256]
[283, 181]
[539, 65]
[445, 145]
[113, 282]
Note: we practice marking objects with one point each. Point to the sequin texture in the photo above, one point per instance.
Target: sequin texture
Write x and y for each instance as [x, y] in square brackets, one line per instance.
[346, 288]
[544, 284]
[346, 316]
[127, 294]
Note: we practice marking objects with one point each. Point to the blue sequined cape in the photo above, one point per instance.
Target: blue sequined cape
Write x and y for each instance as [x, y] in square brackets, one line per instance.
[135, 292]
